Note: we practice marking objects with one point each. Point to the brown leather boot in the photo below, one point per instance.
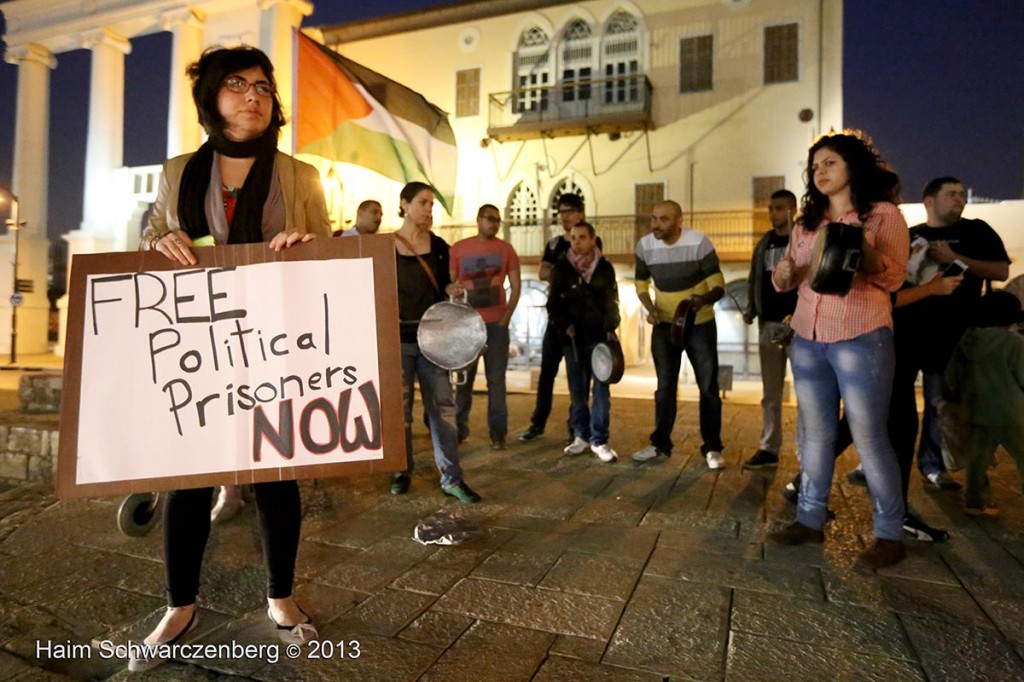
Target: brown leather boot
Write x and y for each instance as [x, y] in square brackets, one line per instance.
[883, 553]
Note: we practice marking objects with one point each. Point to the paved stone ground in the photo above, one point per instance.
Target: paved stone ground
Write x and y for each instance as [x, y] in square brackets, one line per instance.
[585, 571]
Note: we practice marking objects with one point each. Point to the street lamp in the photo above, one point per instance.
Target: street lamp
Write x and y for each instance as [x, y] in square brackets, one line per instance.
[15, 225]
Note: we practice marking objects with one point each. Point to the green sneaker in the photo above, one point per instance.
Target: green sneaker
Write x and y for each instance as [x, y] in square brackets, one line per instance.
[462, 493]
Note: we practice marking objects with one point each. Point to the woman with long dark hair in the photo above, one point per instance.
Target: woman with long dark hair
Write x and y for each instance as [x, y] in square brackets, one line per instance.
[843, 344]
[235, 189]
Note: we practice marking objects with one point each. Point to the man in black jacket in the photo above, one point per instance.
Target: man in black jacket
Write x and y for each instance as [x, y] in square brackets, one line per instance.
[584, 308]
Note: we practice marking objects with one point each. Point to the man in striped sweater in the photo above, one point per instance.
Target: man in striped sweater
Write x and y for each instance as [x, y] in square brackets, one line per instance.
[682, 264]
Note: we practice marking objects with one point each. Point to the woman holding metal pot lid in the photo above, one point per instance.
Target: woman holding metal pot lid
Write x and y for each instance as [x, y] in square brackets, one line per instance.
[843, 344]
[423, 280]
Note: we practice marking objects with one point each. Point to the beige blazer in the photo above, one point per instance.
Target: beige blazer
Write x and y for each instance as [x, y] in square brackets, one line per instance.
[305, 208]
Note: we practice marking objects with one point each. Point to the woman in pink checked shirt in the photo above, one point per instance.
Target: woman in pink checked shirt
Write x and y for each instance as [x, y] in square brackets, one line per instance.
[843, 346]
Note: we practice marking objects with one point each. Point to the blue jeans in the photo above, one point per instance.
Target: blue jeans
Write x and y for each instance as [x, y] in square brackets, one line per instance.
[859, 371]
[589, 422]
[702, 352]
[495, 368]
[439, 403]
[929, 452]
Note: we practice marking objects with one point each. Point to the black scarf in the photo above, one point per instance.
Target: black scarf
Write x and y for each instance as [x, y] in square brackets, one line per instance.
[247, 225]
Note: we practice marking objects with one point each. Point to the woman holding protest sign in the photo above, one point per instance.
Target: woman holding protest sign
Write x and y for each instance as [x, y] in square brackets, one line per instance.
[423, 280]
[237, 188]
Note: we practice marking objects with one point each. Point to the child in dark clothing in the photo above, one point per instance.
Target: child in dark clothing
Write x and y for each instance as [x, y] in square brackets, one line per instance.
[986, 376]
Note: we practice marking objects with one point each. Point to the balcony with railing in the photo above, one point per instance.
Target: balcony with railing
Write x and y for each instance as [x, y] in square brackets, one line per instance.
[733, 233]
[604, 105]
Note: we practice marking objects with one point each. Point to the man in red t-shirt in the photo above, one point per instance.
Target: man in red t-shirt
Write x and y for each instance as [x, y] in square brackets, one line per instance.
[481, 264]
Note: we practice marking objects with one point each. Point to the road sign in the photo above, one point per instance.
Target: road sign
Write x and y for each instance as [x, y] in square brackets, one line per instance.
[17, 299]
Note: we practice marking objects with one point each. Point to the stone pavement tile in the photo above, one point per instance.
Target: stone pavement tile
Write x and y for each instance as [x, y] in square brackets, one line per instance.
[757, 658]
[325, 603]
[70, 571]
[494, 652]
[727, 571]
[316, 558]
[985, 567]
[385, 613]
[562, 669]
[144, 576]
[739, 495]
[596, 538]
[689, 520]
[55, 648]
[367, 529]
[436, 629]
[254, 630]
[867, 630]
[377, 566]
[1008, 614]
[63, 522]
[561, 496]
[380, 659]
[627, 498]
[524, 559]
[711, 543]
[598, 576]
[673, 628]
[12, 667]
[923, 562]
[690, 493]
[104, 608]
[943, 602]
[590, 650]
[233, 590]
[957, 651]
[546, 610]
[172, 671]
[442, 569]
[110, 539]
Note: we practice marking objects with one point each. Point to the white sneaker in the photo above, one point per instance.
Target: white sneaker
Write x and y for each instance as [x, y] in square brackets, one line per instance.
[576, 447]
[647, 454]
[604, 452]
[714, 459]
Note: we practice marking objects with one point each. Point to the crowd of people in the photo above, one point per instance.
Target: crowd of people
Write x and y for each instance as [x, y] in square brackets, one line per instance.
[913, 305]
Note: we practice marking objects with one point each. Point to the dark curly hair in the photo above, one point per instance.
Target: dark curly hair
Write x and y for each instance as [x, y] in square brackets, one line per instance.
[871, 179]
[207, 75]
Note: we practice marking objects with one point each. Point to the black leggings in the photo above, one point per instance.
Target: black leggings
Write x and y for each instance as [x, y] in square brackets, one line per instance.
[187, 528]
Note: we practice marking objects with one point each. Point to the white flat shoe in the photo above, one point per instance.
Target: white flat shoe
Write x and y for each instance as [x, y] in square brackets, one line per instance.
[295, 634]
[146, 657]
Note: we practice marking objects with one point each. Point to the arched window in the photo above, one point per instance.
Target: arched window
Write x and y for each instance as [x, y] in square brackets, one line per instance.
[532, 71]
[577, 61]
[521, 208]
[566, 186]
[621, 57]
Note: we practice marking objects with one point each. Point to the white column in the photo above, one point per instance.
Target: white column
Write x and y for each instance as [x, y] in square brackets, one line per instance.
[184, 134]
[104, 150]
[278, 21]
[32, 134]
[30, 181]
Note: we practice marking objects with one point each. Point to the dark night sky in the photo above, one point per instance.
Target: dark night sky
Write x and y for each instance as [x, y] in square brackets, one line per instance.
[938, 84]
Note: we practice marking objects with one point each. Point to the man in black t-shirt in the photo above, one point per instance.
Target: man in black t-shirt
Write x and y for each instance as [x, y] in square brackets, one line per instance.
[932, 313]
[771, 307]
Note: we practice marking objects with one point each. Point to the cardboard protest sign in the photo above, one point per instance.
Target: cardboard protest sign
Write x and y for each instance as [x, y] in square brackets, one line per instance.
[249, 366]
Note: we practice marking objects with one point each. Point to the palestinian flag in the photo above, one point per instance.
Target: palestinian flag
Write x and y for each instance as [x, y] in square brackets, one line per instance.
[348, 113]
